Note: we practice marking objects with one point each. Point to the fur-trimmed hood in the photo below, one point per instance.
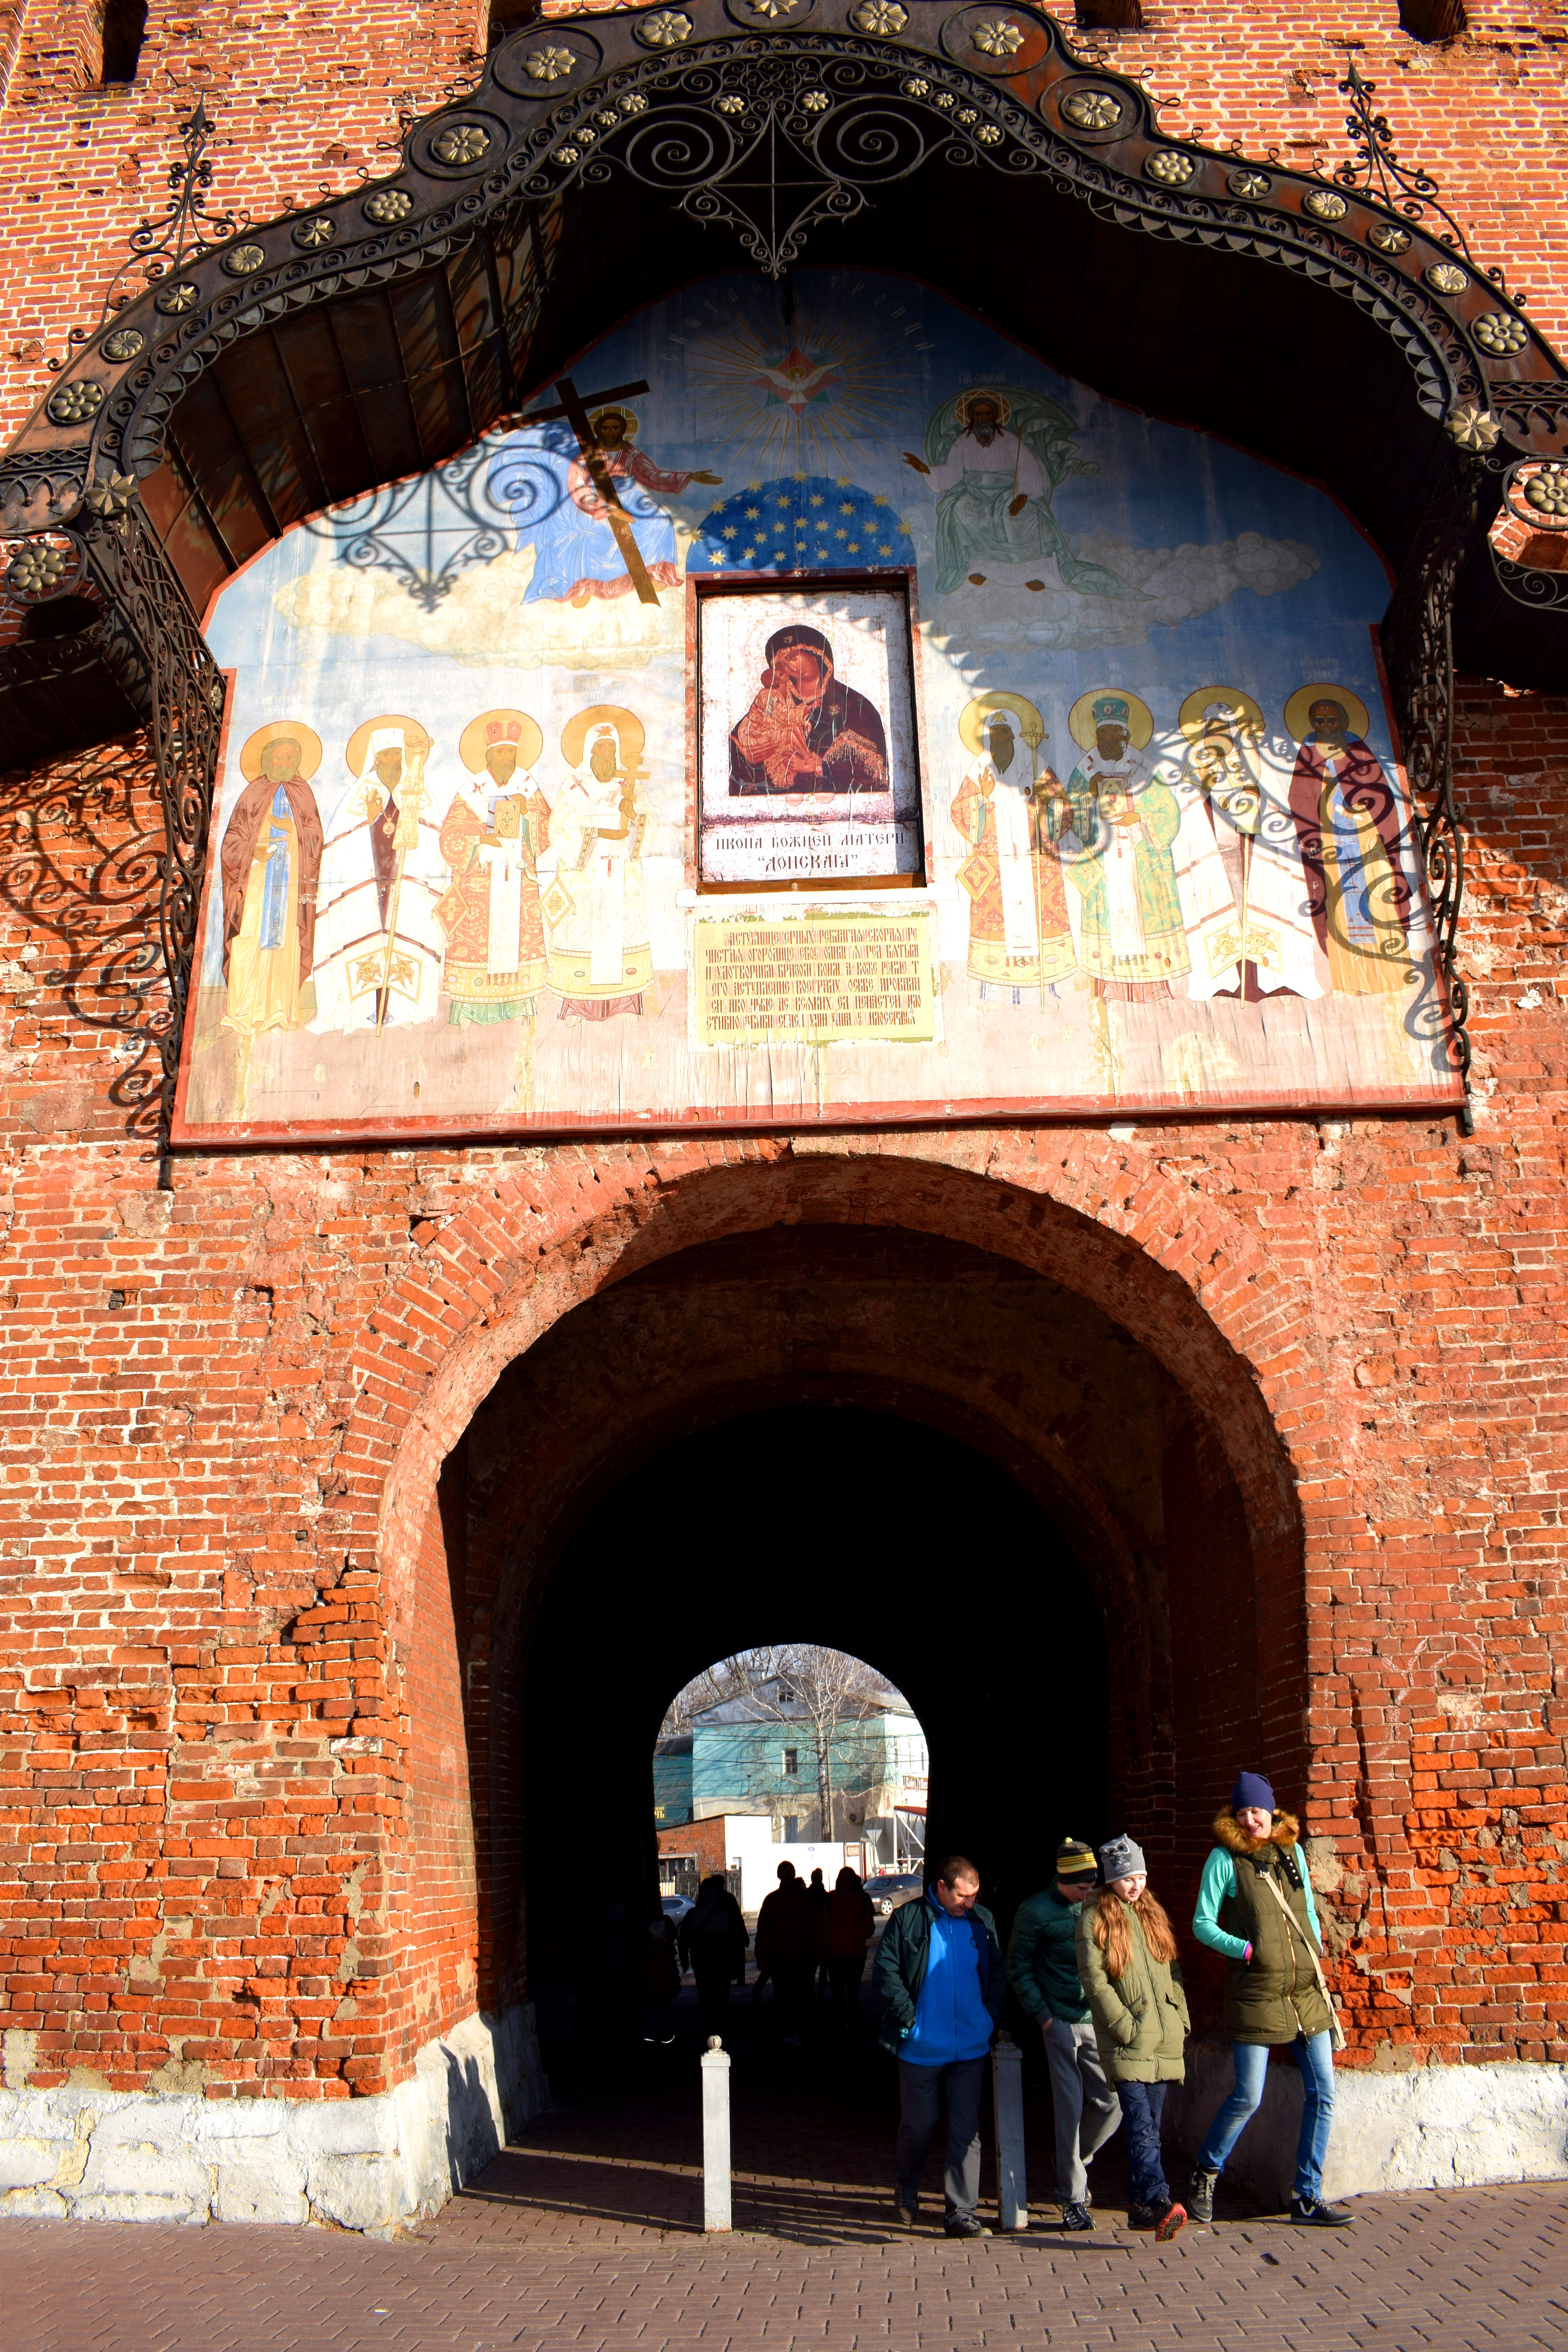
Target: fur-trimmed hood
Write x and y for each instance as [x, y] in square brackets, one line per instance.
[1229, 1833]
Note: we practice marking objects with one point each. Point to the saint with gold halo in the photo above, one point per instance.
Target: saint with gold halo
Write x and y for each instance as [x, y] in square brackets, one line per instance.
[1123, 823]
[1010, 811]
[601, 959]
[1349, 826]
[270, 862]
[492, 835]
[379, 946]
[1266, 947]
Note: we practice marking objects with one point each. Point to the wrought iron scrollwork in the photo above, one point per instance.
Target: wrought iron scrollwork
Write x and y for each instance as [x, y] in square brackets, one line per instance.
[183, 689]
[425, 532]
[767, 141]
[160, 249]
[1376, 169]
[1418, 647]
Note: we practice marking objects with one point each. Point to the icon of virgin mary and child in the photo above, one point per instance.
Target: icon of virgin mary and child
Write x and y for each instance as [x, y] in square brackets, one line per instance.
[805, 730]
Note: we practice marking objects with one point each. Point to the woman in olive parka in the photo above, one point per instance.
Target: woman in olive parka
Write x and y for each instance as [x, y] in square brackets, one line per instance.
[1133, 1982]
[1256, 1908]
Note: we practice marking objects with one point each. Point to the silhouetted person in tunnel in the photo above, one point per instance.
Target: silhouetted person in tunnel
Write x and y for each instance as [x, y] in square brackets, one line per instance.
[941, 1972]
[847, 1927]
[661, 1979]
[786, 1947]
[816, 1894]
[712, 1944]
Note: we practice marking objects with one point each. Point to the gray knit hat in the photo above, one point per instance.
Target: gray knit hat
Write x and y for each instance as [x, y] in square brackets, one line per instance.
[1120, 1858]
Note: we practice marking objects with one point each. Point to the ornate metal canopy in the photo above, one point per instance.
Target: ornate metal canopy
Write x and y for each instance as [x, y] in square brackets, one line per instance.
[1339, 325]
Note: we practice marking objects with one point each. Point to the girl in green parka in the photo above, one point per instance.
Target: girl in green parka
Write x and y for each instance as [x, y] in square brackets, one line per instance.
[1127, 1967]
[1255, 1905]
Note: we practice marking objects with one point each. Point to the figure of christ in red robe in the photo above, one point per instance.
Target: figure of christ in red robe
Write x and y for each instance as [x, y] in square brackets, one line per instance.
[805, 730]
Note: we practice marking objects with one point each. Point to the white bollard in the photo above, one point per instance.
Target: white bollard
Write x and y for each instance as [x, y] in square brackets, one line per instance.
[1007, 2095]
[716, 2135]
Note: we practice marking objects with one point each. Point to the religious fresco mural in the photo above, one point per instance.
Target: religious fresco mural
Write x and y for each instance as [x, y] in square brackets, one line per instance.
[841, 715]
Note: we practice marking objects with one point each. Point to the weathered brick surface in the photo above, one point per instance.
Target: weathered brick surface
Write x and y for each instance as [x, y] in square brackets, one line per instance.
[239, 1704]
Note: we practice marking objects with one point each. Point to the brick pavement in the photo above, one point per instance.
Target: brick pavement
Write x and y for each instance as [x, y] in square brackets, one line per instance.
[584, 2235]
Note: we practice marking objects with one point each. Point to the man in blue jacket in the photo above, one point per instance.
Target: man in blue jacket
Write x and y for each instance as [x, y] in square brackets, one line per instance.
[939, 1971]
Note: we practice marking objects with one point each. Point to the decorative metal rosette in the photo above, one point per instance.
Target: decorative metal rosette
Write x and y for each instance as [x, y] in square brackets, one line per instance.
[767, 15]
[546, 62]
[245, 260]
[123, 343]
[549, 63]
[1170, 167]
[461, 145]
[319, 230]
[732, 102]
[1538, 495]
[997, 37]
[1325, 204]
[111, 496]
[1448, 277]
[73, 404]
[1092, 109]
[816, 102]
[1472, 429]
[386, 205]
[1499, 332]
[667, 28]
[1248, 183]
[884, 18]
[45, 567]
[1388, 237]
[180, 296]
[917, 86]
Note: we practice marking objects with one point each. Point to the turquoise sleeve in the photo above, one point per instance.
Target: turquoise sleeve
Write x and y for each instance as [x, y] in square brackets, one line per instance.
[1218, 1883]
[1311, 1906]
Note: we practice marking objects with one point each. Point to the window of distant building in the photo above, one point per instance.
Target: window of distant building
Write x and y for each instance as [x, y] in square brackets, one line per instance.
[792, 1829]
[790, 1761]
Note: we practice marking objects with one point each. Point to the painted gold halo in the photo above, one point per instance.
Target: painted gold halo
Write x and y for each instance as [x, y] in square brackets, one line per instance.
[973, 716]
[1239, 706]
[1081, 717]
[1298, 719]
[281, 730]
[474, 741]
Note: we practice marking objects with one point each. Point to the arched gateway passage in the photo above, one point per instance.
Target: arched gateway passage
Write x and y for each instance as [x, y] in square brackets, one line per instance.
[1058, 1519]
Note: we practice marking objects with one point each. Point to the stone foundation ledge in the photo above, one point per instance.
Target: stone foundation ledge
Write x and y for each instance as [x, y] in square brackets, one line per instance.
[374, 2163]
[1432, 2127]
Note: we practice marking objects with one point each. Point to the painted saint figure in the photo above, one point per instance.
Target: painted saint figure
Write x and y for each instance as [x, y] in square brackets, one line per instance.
[380, 947]
[805, 730]
[1348, 824]
[1011, 812]
[1122, 824]
[1268, 950]
[491, 837]
[574, 552]
[270, 864]
[994, 457]
[600, 956]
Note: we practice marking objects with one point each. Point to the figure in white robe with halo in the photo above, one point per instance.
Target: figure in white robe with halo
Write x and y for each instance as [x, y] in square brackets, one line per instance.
[379, 947]
[1268, 948]
[601, 960]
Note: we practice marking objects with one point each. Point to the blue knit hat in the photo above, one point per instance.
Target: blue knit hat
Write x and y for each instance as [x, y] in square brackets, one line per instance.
[1251, 1789]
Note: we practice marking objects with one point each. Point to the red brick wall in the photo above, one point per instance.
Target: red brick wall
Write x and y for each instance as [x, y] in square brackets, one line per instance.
[703, 1839]
[232, 1854]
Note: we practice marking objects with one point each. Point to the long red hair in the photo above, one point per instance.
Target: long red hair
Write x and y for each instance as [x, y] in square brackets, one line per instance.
[1111, 1935]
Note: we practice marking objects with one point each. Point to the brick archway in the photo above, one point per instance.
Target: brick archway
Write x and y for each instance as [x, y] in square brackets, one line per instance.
[505, 1282]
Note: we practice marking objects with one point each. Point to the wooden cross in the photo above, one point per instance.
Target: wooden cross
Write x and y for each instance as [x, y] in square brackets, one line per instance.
[574, 407]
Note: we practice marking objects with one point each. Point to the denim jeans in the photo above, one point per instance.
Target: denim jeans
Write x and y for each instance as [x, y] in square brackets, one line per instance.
[1316, 2060]
[1141, 2106]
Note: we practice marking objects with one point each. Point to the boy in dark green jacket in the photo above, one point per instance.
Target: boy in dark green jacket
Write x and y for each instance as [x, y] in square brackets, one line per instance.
[1042, 1969]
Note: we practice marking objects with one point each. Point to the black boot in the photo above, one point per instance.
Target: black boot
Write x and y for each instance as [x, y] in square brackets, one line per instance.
[1200, 2196]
